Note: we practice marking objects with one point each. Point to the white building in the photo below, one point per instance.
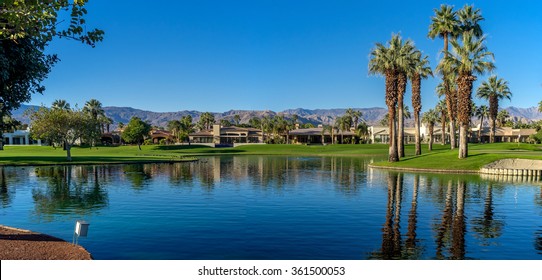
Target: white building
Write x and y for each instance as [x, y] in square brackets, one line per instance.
[19, 137]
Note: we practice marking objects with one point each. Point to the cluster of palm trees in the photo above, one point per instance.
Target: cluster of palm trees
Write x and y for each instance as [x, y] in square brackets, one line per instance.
[399, 61]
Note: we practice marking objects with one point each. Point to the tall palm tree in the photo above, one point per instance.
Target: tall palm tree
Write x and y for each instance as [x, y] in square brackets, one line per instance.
[343, 124]
[502, 117]
[237, 119]
[540, 106]
[469, 19]
[430, 118]
[468, 58]
[405, 63]
[174, 127]
[355, 115]
[442, 111]
[446, 25]
[94, 108]
[60, 104]
[421, 70]
[481, 113]
[384, 61]
[493, 90]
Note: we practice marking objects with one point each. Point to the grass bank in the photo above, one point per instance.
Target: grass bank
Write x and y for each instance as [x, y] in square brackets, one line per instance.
[44, 155]
[479, 155]
[441, 158]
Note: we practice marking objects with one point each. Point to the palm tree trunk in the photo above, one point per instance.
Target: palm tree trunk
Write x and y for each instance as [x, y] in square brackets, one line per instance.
[401, 88]
[417, 134]
[391, 102]
[68, 152]
[463, 141]
[480, 130]
[492, 130]
[430, 146]
[443, 132]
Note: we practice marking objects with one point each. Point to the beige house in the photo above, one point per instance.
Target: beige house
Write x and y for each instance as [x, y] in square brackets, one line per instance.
[380, 134]
[227, 135]
[503, 134]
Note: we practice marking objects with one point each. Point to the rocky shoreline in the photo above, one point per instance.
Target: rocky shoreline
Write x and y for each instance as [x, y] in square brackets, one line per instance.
[19, 244]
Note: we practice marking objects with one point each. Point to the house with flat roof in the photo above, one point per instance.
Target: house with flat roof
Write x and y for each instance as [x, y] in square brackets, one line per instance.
[319, 135]
[227, 135]
[19, 137]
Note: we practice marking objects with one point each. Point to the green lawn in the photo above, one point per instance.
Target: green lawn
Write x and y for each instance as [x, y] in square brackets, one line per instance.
[479, 155]
[34, 155]
[440, 158]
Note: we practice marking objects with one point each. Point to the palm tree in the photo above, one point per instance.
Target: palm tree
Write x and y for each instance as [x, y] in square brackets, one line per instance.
[60, 104]
[405, 66]
[430, 118]
[502, 117]
[468, 58]
[237, 119]
[343, 124]
[445, 25]
[442, 111]
[493, 90]
[468, 20]
[186, 127]
[421, 70]
[355, 115]
[174, 127]
[481, 113]
[540, 106]
[384, 61]
[94, 108]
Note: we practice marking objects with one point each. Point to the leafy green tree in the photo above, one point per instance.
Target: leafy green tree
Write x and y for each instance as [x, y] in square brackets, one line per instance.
[493, 90]
[62, 126]
[135, 131]
[26, 28]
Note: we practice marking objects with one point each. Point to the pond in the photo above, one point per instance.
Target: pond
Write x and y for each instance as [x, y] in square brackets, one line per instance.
[276, 207]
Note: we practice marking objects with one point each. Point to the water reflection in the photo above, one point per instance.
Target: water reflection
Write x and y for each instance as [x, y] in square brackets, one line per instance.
[487, 227]
[403, 216]
[5, 195]
[69, 190]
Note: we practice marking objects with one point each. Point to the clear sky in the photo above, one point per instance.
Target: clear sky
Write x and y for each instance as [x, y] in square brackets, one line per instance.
[272, 54]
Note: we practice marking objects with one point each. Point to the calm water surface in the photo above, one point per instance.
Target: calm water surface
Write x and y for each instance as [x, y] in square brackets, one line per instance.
[255, 207]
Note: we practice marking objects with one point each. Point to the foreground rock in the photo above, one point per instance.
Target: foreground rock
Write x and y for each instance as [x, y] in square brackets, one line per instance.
[17, 244]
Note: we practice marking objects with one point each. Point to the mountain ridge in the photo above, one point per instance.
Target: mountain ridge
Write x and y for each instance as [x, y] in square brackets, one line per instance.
[372, 115]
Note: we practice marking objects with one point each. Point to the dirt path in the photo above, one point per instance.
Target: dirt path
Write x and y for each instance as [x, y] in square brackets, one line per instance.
[18, 244]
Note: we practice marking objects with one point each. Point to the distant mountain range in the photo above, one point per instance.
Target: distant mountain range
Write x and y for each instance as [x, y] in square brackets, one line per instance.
[372, 116]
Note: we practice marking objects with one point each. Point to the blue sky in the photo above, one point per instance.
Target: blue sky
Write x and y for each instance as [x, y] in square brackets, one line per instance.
[272, 54]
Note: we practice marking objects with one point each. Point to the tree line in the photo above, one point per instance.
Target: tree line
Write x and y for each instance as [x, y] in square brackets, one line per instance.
[400, 61]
